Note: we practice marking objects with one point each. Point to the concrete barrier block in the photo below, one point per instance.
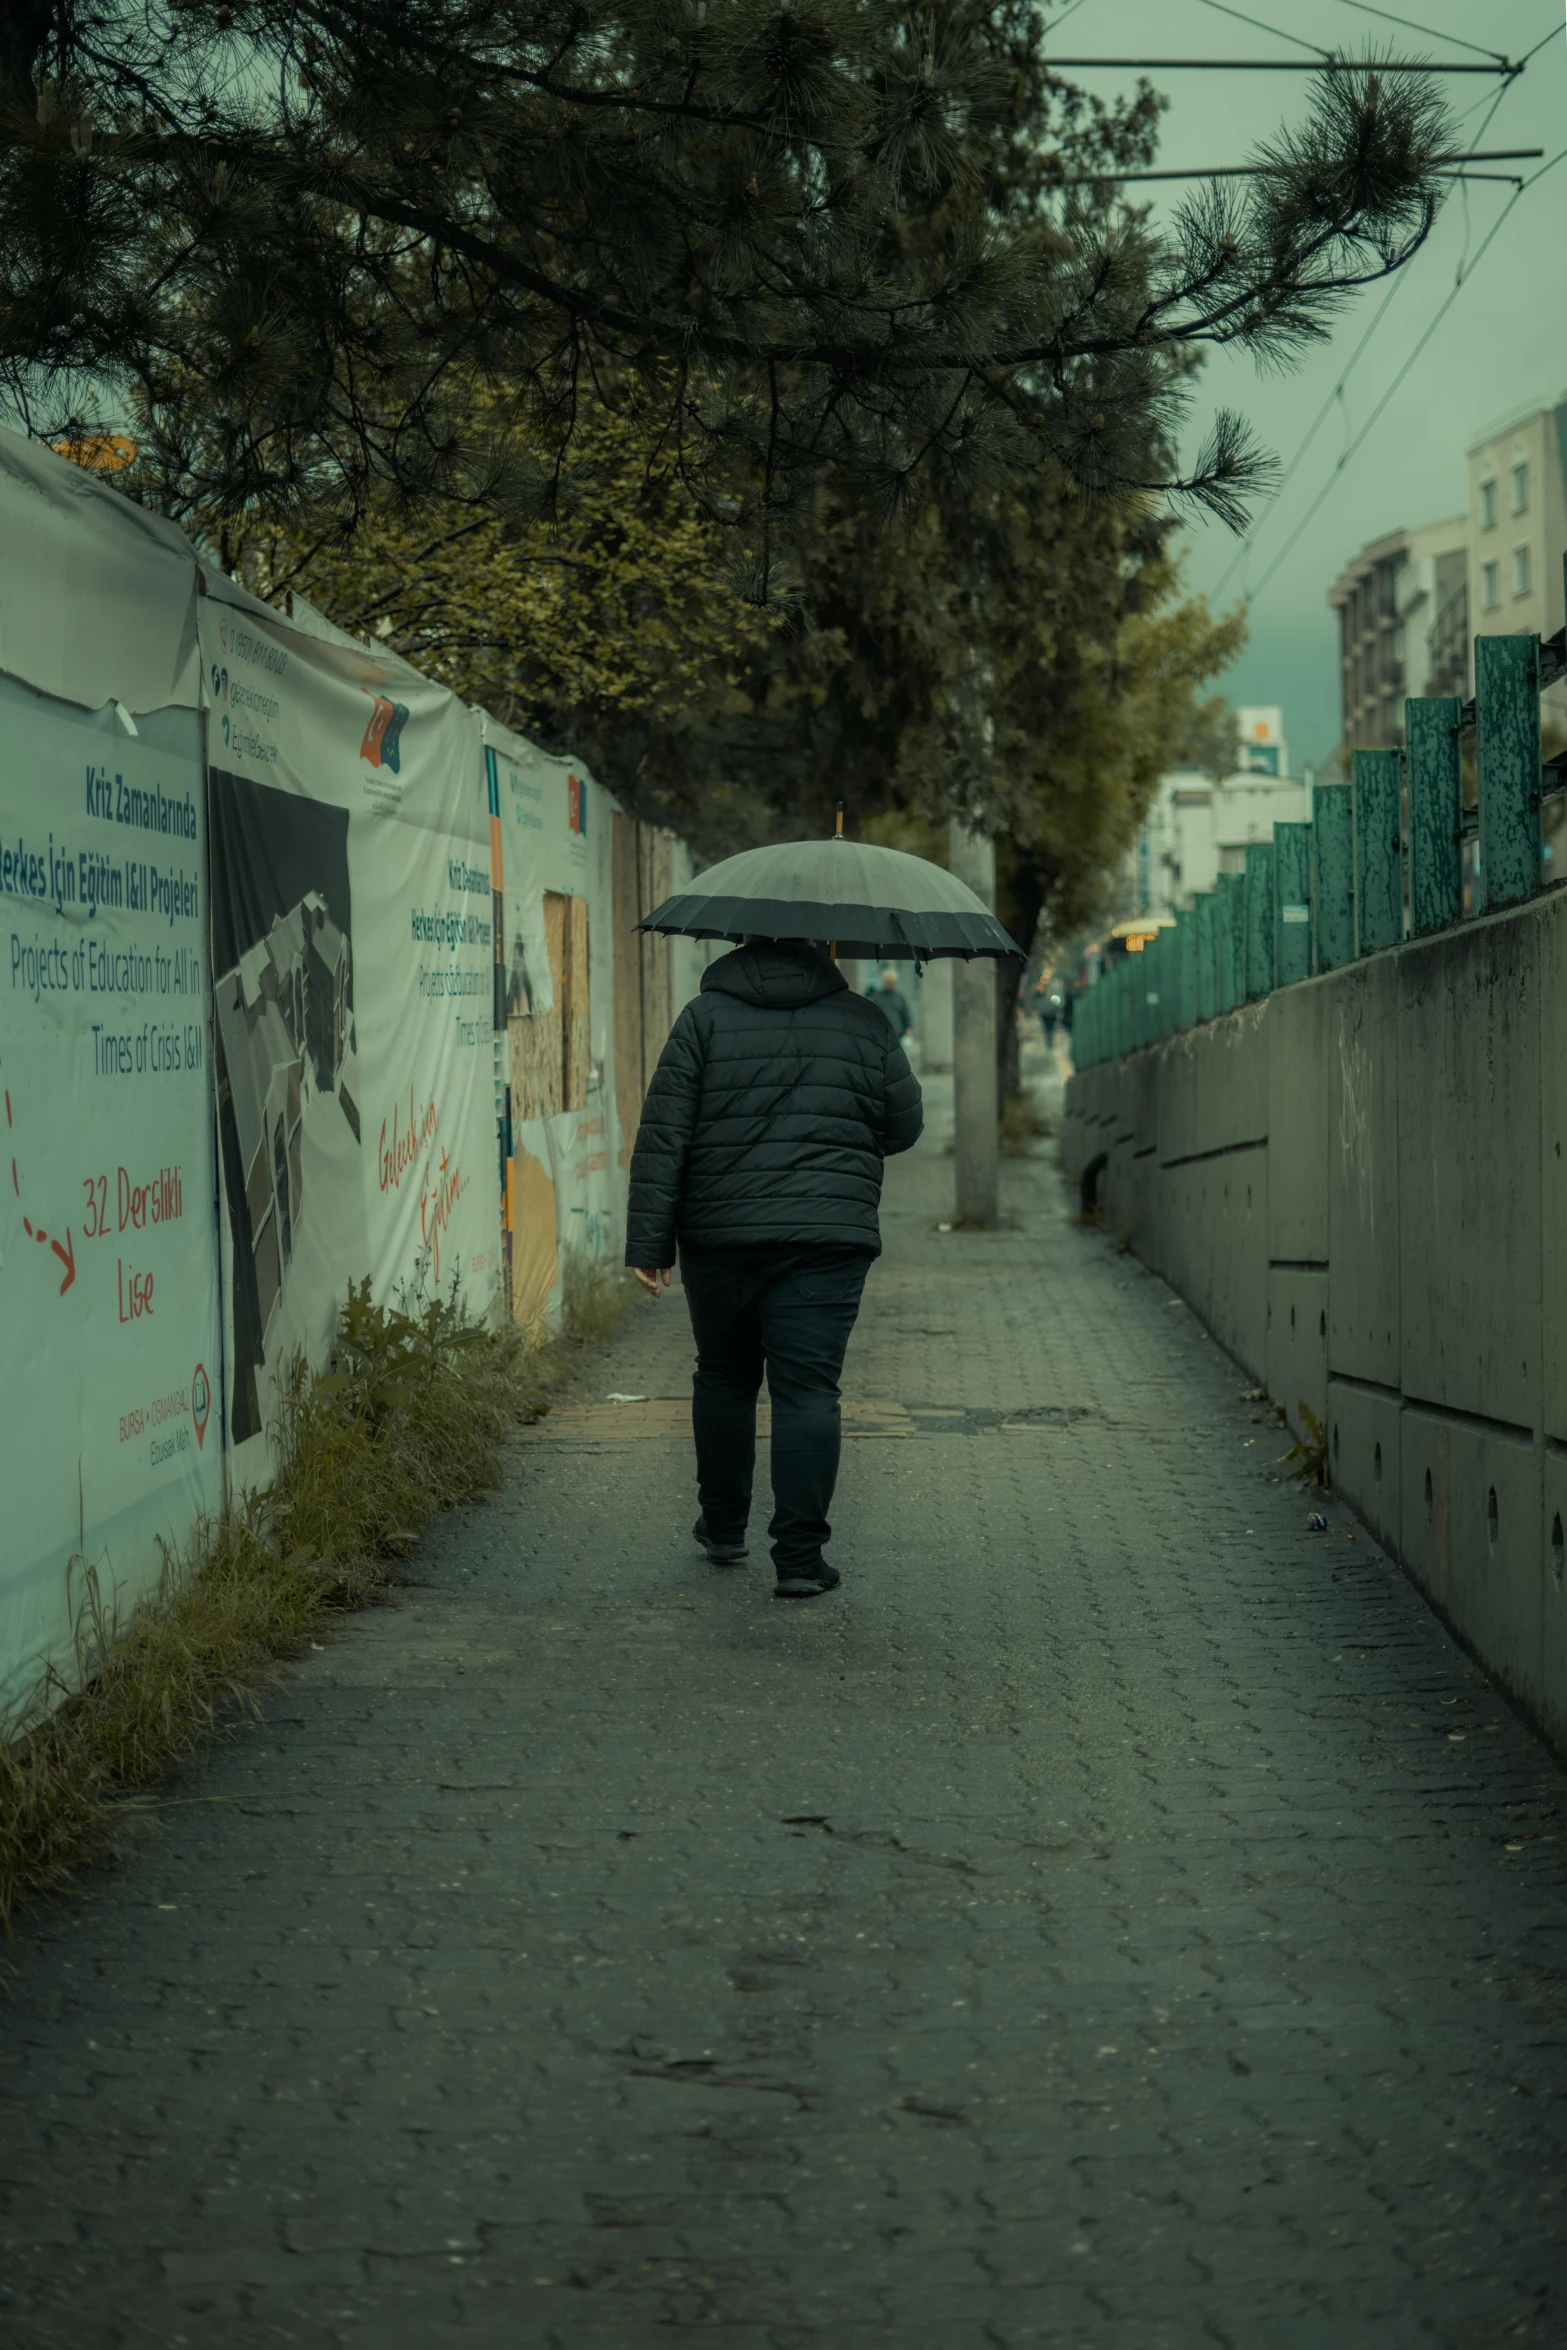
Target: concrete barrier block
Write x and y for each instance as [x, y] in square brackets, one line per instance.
[1551, 931]
[1120, 1189]
[1469, 1146]
[1236, 1102]
[1191, 1080]
[1143, 1100]
[1553, 1560]
[1297, 1335]
[1364, 1455]
[1363, 1041]
[1237, 1215]
[1298, 1123]
[1471, 1536]
[1151, 1223]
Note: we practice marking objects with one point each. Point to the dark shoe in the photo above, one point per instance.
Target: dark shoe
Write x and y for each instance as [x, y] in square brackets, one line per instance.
[722, 1554]
[808, 1582]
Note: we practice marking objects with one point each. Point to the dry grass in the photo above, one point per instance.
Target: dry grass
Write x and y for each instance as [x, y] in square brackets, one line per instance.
[595, 1299]
[1020, 1125]
[409, 1419]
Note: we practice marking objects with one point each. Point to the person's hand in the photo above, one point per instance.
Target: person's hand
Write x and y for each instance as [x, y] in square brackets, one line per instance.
[652, 1279]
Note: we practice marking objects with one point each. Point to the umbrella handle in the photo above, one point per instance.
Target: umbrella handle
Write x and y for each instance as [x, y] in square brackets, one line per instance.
[832, 943]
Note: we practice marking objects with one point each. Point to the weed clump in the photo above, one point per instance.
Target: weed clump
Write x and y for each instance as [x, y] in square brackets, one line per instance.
[408, 1418]
[1019, 1125]
[1306, 1463]
[595, 1299]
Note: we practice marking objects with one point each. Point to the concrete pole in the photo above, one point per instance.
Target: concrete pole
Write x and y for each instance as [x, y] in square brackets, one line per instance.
[936, 1016]
[972, 857]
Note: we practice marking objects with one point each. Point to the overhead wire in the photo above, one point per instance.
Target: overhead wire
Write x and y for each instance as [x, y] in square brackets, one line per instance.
[1442, 311]
[1223, 9]
[1491, 102]
[1318, 421]
[1363, 8]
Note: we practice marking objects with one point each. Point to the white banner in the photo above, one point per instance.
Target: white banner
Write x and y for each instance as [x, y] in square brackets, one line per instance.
[354, 989]
[108, 1241]
[564, 1182]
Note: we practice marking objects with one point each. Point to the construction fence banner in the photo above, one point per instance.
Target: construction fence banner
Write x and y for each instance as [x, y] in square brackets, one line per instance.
[311, 975]
[562, 1180]
[108, 1240]
[353, 960]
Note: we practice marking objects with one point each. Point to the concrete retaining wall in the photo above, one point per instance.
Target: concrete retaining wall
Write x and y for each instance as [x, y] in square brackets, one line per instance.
[1360, 1184]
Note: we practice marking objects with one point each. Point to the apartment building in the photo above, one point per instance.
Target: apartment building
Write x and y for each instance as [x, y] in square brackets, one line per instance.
[1198, 828]
[1411, 603]
[1518, 527]
[1403, 615]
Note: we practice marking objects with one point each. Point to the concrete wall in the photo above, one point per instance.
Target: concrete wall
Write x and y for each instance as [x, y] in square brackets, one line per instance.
[1360, 1184]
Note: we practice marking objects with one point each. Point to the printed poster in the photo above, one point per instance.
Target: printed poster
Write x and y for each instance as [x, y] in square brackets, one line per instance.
[110, 1383]
[353, 978]
[564, 1188]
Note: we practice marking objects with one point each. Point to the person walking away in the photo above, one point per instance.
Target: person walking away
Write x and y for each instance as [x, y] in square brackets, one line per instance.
[1047, 1003]
[890, 998]
[775, 1103]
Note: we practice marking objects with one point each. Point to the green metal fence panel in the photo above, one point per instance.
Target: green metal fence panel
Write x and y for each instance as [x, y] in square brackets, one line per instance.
[1164, 965]
[1332, 877]
[1145, 996]
[1379, 866]
[1259, 919]
[1153, 957]
[1206, 912]
[1186, 968]
[1291, 903]
[1507, 721]
[1229, 930]
[1153, 973]
[1436, 807]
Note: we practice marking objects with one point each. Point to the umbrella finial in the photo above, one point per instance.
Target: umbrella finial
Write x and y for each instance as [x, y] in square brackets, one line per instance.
[838, 834]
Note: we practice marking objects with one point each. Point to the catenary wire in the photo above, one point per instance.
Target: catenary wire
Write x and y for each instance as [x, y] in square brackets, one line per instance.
[1442, 311]
[1491, 103]
[1223, 9]
[1363, 8]
[1450, 166]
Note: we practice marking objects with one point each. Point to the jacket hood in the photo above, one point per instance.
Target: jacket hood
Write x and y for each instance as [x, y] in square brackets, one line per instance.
[777, 974]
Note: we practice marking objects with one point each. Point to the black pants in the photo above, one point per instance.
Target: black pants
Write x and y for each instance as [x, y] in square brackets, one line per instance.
[788, 1311]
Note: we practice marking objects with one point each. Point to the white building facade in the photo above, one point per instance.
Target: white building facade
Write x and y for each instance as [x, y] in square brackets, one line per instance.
[1199, 828]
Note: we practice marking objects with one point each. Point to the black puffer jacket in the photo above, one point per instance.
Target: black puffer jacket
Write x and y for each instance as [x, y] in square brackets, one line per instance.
[773, 1105]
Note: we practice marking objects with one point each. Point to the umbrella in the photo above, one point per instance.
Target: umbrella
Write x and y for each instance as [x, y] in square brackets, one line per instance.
[869, 901]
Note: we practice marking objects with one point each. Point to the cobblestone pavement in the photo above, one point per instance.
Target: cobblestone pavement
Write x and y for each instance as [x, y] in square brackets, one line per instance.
[1117, 1918]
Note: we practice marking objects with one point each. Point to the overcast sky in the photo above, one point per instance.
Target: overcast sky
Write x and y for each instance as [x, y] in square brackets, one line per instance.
[1502, 344]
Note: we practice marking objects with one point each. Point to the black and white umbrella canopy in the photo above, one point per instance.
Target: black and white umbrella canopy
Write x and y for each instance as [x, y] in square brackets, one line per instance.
[868, 900]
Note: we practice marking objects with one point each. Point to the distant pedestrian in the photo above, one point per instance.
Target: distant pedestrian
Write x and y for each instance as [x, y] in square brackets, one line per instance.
[1047, 1003]
[774, 1104]
[890, 998]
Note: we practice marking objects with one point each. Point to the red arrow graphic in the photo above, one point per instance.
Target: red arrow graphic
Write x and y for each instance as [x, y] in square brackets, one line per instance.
[66, 1255]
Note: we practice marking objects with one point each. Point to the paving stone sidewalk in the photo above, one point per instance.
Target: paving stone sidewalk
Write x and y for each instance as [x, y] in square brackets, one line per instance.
[1118, 1918]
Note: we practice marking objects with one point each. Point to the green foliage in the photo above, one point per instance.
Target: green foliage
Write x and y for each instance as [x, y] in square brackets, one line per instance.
[861, 237]
[626, 600]
[1306, 1463]
[408, 1419]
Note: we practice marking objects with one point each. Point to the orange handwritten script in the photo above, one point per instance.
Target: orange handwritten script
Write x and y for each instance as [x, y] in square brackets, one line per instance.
[398, 1154]
[435, 1209]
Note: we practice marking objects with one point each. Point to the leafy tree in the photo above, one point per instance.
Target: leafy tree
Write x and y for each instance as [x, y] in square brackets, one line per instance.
[628, 606]
[811, 234]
